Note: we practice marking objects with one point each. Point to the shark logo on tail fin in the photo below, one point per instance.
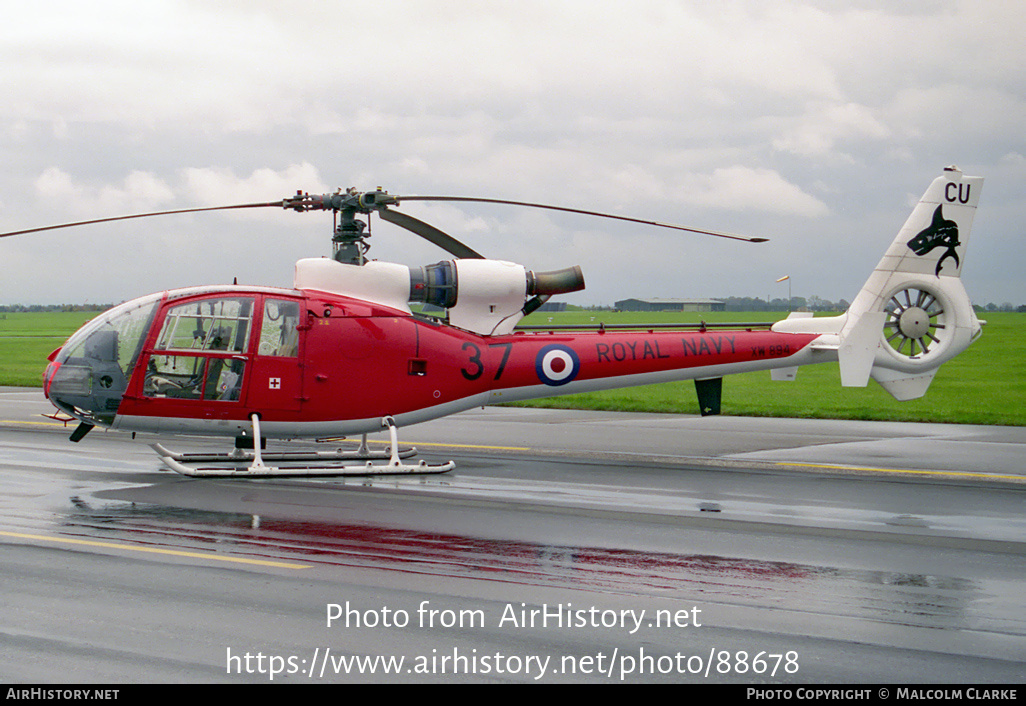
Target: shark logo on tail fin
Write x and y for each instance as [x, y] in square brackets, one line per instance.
[941, 233]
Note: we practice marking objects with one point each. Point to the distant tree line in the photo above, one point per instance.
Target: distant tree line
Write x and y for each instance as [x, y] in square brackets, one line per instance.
[812, 303]
[1007, 306]
[36, 308]
[757, 304]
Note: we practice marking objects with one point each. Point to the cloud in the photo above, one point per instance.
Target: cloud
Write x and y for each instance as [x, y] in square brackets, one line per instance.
[139, 191]
[763, 117]
[212, 186]
[742, 188]
[821, 130]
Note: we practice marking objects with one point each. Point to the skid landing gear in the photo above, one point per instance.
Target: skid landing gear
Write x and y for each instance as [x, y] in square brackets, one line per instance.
[315, 463]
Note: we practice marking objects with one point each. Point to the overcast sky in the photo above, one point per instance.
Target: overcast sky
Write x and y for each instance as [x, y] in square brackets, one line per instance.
[814, 124]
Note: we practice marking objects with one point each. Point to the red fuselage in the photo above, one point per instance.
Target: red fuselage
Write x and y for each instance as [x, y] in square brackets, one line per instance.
[312, 363]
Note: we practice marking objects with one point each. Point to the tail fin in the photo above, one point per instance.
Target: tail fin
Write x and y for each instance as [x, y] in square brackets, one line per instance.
[913, 314]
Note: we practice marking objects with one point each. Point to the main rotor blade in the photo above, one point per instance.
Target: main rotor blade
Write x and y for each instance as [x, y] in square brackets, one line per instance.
[429, 233]
[277, 204]
[643, 221]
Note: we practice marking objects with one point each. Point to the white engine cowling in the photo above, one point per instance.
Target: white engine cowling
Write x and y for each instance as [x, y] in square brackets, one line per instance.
[484, 296]
[379, 282]
[491, 296]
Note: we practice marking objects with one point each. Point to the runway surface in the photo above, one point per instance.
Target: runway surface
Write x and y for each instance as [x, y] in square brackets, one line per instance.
[565, 546]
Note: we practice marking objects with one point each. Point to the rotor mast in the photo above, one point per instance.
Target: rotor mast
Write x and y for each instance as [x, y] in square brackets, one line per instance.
[348, 240]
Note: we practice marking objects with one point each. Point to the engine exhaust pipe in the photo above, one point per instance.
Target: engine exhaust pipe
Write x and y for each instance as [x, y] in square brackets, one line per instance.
[570, 279]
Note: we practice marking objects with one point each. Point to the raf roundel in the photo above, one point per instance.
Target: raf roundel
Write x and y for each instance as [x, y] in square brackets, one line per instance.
[557, 365]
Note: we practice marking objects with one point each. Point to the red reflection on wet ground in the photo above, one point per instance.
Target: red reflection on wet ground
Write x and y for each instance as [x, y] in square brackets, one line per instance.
[440, 554]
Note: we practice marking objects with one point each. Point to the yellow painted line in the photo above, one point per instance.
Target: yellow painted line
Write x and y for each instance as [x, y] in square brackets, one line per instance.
[43, 424]
[449, 446]
[154, 550]
[472, 446]
[961, 474]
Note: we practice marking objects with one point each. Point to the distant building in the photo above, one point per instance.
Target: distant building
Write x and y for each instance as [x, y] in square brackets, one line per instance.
[671, 305]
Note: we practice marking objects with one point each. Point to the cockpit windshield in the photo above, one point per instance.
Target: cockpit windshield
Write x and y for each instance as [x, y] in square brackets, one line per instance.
[90, 374]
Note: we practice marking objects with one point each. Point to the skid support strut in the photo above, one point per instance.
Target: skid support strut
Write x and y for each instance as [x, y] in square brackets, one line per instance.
[321, 463]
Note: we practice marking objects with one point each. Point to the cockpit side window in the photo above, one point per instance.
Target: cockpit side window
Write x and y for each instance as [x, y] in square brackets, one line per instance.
[211, 325]
[278, 333]
[199, 352]
[194, 377]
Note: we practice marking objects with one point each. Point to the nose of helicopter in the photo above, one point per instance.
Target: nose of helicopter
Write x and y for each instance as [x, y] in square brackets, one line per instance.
[51, 370]
[85, 379]
[88, 375]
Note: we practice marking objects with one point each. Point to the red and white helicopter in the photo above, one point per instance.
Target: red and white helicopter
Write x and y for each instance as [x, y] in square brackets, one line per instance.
[342, 353]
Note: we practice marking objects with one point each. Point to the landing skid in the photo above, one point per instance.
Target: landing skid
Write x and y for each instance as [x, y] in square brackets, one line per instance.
[246, 456]
[322, 463]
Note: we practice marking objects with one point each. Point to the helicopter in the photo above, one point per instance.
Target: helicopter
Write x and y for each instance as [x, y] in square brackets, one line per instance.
[342, 352]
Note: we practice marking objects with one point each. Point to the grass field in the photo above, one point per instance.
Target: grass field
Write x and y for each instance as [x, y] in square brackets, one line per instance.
[984, 385]
[27, 338]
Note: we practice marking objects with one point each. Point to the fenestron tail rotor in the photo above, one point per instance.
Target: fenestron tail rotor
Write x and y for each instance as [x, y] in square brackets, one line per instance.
[916, 322]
